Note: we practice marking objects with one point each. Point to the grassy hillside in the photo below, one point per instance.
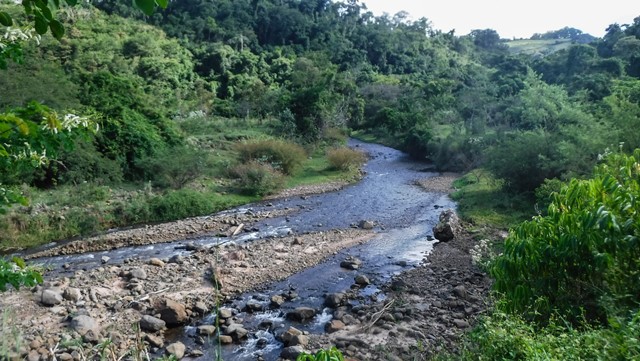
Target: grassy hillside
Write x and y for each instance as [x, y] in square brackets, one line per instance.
[538, 47]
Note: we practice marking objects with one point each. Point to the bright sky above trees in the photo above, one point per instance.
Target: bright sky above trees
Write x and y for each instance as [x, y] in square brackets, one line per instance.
[519, 19]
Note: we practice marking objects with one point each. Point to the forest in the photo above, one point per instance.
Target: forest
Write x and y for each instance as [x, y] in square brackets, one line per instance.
[152, 116]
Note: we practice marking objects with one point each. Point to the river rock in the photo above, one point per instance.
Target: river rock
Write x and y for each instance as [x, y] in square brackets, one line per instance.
[105, 259]
[72, 294]
[351, 263]
[236, 331]
[176, 349]
[448, 226]
[138, 273]
[291, 352]
[461, 323]
[201, 308]
[51, 297]
[151, 324]
[253, 306]
[225, 339]
[172, 312]
[206, 330]
[178, 259]
[301, 314]
[277, 301]
[83, 324]
[460, 291]
[334, 300]
[362, 280]
[154, 341]
[225, 313]
[299, 340]
[156, 262]
[289, 334]
[364, 224]
[334, 326]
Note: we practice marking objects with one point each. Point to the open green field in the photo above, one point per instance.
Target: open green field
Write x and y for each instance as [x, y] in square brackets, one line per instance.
[538, 47]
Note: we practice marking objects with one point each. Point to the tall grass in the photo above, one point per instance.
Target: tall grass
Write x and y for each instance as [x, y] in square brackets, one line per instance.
[345, 159]
[281, 155]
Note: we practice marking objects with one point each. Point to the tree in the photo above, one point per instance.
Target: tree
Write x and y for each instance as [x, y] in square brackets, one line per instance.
[42, 15]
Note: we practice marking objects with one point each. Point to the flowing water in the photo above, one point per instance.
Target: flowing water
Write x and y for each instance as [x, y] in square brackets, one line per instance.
[403, 213]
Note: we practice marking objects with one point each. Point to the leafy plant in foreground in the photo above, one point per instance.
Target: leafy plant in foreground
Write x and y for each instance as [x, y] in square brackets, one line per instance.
[17, 273]
[332, 354]
[583, 258]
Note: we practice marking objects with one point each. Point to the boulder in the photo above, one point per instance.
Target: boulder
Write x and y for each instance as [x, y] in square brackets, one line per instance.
[448, 226]
[206, 330]
[334, 326]
[236, 331]
[225, 339]
[172, 312]
[301, 314]
[51, 297]
[362, 280]
[72, 294]
[351, 263]
[151, 324]
[364, 224]
[176, 349]
[334, 300]
[289, 334]
[277, 301]
[299, 340]
[291, 352]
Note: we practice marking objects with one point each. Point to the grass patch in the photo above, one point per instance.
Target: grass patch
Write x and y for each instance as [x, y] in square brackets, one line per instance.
[483, 202]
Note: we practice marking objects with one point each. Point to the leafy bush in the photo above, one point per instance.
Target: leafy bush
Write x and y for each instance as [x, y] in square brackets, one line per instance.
[258, 179]
[583, 258]
[345, 159]
[282, 156]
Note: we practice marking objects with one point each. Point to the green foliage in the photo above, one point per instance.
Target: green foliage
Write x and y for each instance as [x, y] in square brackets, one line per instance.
[503, 336]
[256, 178]
[345, 159]
[16, 273]
[332, 354]
[280, 155]
[582, 258]
[174, 167]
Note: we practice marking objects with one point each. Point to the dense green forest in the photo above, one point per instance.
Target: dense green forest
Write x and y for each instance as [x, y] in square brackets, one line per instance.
[144, 115]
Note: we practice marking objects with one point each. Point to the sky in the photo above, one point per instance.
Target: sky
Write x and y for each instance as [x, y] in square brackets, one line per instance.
[514, 19]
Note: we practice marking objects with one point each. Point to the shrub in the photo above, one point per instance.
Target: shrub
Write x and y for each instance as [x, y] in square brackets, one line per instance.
[583, 258]
[258, 179]
[345, 158]
[282, 156]
[174, 167]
